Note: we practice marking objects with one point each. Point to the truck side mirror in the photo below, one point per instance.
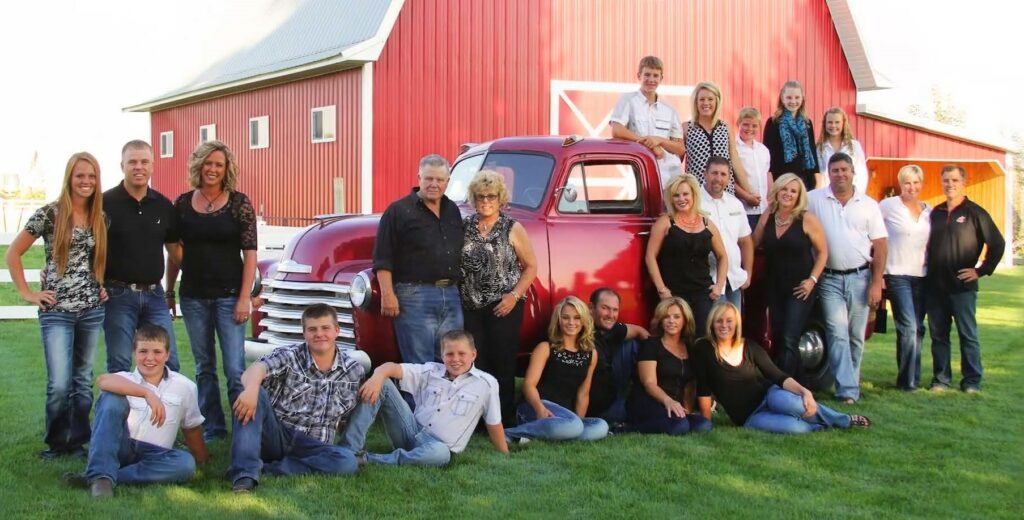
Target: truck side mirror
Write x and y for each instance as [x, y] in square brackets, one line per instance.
[569, 194]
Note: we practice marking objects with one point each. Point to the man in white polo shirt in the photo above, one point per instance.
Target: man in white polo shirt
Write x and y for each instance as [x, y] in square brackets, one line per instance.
[727, 212]
[137, 418]
[852, 282]
[450, 399]
[645, 118]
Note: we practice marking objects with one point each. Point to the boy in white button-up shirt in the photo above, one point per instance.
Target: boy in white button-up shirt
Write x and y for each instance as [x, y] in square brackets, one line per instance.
[645, 118]
[136, 422]
[450, 399]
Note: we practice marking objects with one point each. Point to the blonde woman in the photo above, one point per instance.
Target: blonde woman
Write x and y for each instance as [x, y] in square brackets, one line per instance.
[70, 299]
[796, 252]
[556, 391]
[753, 391]
[677, 253]
[707, 136]
[908, 222]
[661, 399]
[789, 136]
[837, 136]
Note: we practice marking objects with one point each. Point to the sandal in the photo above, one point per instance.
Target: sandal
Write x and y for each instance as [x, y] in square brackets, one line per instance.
[859, 421]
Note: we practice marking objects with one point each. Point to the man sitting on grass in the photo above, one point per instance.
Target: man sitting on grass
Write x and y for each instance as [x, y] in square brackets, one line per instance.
[294, 400]
[450, 399]
[136, 421]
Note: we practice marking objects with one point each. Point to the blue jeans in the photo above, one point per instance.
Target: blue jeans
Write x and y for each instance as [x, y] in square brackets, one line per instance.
[943, 310]
[413, 444]
[266, 443]
[202, 318]
[649, 416]
[425, 313]
[733, 296]
[126, 310]
[115, 455]
[783, 411]
[844, 305]
[906, 293]
[69, 345]
[564, 426]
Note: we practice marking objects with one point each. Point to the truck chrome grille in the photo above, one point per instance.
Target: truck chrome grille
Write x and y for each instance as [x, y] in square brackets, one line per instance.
[285, 301]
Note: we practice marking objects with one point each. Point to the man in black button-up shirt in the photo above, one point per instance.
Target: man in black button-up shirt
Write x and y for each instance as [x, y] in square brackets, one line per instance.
[416, 258]
[141, 222]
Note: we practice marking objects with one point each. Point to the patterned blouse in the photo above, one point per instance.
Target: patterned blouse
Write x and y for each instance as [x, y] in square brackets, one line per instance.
[702, 145]
[78, 289]
[490, 267]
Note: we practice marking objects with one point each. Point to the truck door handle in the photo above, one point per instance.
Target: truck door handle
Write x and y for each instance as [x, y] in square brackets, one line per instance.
[643, 234]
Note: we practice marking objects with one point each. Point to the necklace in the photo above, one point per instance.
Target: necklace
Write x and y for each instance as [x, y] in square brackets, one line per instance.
[210, 202]
[689, 222]
[486, 228]
[783, 222]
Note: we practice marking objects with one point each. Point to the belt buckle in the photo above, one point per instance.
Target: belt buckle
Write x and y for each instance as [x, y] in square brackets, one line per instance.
[442, 283]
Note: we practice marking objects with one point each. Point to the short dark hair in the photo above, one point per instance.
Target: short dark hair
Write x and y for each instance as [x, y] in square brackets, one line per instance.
[601, 291]
[136, 144]
[150, 332]
[954, 168]
[318, 310]
[840, 156]
[457, 335]
[715, 159]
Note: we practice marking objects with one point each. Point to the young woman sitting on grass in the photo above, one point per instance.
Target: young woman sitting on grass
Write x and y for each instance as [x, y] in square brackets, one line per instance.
[753, 391]
[558, 380]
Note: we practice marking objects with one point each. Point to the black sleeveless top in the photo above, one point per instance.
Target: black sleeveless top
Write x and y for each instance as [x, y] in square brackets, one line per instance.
[790, 257]
[683, 260]
[563, 374]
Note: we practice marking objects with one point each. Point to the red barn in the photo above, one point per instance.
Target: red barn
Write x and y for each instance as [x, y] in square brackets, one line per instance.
[332, 110]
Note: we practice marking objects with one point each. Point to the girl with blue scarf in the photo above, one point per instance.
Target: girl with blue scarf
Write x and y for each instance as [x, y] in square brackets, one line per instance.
[789, 136]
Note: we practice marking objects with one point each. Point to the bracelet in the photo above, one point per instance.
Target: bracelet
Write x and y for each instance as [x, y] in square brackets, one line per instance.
[169, 294]
[813, 279]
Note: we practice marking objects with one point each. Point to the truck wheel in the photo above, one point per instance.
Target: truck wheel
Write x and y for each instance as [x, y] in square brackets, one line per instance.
[816, 374]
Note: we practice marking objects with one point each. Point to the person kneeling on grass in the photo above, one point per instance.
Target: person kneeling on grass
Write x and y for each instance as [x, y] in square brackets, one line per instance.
[754, 392]
[137, 418]
[558, 381]
[292, 403]
[450, 399]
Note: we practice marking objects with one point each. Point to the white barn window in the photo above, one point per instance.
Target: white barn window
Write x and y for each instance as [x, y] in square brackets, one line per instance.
[323, 124]
[207, 133]
[166, 144]
[259, 132]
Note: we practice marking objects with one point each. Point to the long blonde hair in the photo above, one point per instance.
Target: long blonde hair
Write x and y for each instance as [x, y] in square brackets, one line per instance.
[715, 91]
[845, 134]
[585, 339]
[64, 225]
[716, 312]
[689, 328]
[673, 186]
[801, 198]
[800, 112]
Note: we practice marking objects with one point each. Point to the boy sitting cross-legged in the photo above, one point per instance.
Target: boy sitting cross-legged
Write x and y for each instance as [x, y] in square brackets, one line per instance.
[450, 399]
[136, 421]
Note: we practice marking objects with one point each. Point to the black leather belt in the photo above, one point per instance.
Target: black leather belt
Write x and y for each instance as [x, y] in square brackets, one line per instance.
[138, 287]
[847, 271]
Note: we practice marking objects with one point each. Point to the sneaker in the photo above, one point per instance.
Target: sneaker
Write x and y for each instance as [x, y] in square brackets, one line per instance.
[938, 388]
[971, 390]
[244, 485]
[75, 480]
[102, 487]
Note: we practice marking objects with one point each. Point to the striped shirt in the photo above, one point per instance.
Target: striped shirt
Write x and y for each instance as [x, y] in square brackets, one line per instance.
[307, 400]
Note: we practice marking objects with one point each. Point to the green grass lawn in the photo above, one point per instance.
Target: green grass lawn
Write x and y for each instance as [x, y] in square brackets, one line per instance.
[928, 456]
[32, 259]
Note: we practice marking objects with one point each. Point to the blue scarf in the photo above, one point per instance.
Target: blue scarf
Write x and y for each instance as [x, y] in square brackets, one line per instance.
[793, 132]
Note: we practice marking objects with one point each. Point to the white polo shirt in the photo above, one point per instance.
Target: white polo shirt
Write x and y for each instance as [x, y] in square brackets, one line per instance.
[181, 404]
[908, 239]
[849, 229]
[860, 163]
[450, 410]
[731, 220]
[657, 119]
[756, 160]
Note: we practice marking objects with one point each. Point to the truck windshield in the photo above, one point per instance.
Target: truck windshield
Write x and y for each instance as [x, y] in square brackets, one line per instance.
[526, 175]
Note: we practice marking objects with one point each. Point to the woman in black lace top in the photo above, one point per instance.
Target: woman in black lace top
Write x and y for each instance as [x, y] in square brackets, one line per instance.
[217, 257]
[498, 266]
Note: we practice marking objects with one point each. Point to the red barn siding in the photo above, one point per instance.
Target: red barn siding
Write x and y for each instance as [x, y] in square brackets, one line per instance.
[293, 177]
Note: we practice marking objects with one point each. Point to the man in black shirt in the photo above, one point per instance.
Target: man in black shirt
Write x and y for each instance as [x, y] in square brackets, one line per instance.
[959, 229]
[416, 258]
[141, 223]
[616, 359]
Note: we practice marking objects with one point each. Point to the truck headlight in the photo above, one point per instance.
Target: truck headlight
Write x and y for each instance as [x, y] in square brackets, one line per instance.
[361, 292]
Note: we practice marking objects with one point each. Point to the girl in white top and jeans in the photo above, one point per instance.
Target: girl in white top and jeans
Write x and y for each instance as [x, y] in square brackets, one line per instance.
[907, 222]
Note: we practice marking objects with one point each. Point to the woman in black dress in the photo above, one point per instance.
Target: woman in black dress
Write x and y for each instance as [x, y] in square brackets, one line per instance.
[794, 245]
[677, 253]
[789, 136]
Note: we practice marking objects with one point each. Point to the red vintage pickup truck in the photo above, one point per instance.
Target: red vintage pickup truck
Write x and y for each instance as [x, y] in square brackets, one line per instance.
[587, 205]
